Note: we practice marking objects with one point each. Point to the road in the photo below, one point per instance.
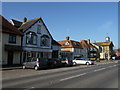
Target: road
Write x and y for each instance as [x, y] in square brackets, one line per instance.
[93, 76]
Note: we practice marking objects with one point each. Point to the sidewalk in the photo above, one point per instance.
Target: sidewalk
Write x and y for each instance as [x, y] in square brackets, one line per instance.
[11, 67]
[105, 61]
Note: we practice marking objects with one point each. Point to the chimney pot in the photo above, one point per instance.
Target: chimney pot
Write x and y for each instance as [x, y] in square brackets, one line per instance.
[25, 19]
[67, 38]
[88, 41]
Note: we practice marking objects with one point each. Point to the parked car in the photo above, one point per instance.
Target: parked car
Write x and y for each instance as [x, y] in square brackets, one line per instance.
[83, 61]
[54, 62]
[35, 63]
[66, 62]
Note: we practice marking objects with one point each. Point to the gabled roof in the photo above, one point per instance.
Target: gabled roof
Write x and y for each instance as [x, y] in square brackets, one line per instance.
[84, 43]
[104, 43]
[26, 25]
[7, 27]
[16, 23]
[71, 44]
[55, 43]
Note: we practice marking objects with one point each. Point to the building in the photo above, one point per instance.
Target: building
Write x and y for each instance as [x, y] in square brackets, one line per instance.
[105, 48]
[116, 53]
[89, 50]
[36, 40]
[70, 49]
[11, 43]
[56, 47]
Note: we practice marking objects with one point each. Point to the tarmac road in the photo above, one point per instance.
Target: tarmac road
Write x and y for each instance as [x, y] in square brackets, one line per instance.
[93, 76]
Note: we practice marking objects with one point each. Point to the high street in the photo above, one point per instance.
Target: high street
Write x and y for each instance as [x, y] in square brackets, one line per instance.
[93, 76]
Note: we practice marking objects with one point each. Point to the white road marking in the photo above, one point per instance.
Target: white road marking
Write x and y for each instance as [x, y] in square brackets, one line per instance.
[99, 69]
[73, 77]
[29, 88]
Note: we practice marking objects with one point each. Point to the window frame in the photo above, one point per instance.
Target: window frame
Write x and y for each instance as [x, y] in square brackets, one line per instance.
[31, 37]
[12, 38]
[46, 38]
[39, 29]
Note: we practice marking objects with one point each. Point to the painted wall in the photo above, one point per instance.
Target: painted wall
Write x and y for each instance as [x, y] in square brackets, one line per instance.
[34, 29]
[5, 40]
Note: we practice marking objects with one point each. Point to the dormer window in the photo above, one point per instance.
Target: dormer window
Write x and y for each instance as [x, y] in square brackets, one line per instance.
[67, 43]
[75, 43]
[31, 38]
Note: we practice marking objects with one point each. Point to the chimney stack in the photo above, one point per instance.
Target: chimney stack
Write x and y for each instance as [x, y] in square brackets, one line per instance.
[25, 19]
[88, 41]
[67, 38]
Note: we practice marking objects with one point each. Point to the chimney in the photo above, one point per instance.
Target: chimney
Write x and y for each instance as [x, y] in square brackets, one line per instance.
[88, 41]
[24, 20]
[67, 38]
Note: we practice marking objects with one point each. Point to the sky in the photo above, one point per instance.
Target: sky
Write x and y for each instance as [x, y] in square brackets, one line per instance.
[78, 20]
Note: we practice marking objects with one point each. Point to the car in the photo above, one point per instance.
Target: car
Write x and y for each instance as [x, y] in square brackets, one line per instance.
[66, 62]
[35, 63]
[54, 62]
[85, 61]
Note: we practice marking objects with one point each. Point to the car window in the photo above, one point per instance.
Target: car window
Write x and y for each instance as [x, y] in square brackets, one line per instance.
[34, 59]
[29, 59]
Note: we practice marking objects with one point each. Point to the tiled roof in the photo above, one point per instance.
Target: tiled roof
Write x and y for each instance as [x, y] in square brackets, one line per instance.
[7, 27]
[104, 43]
[17, 24]
[70, 44]
[55, 43]
[28, 24]
[118, 53]
[84, 43]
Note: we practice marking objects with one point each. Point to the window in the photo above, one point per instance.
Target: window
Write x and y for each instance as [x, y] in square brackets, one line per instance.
[39, 29]
[45, 41]
[12, 38]
[31, 38]
[67, 43]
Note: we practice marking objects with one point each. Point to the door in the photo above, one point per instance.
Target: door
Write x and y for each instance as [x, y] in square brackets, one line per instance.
[10, 58]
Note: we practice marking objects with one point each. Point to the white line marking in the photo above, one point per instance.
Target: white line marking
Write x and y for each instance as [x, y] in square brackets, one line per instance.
[73, 77]
[99, 69]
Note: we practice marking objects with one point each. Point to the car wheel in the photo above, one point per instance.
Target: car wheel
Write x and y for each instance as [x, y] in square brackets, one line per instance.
[74, 63]
[87, 63]
[36, 67]
[24, 67]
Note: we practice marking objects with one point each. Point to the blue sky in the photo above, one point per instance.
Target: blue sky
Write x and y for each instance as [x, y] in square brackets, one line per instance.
[79, 20]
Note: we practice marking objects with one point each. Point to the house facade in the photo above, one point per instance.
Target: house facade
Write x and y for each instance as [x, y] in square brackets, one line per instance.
[56, 47]
[36, 40]
[11, 43]
[105, 48]
[70, 48]
[89, 50]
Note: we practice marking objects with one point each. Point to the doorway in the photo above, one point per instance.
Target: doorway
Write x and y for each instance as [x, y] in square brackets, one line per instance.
[10, 57]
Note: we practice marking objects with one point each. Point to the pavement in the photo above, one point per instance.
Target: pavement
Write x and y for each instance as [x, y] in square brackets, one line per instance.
[20, 66]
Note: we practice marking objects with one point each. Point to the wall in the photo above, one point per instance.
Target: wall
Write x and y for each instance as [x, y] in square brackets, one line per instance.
[34, 29]
[5, 40]
[66, 49]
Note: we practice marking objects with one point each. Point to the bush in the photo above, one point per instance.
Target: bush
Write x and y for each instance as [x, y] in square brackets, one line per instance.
[97, 60]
